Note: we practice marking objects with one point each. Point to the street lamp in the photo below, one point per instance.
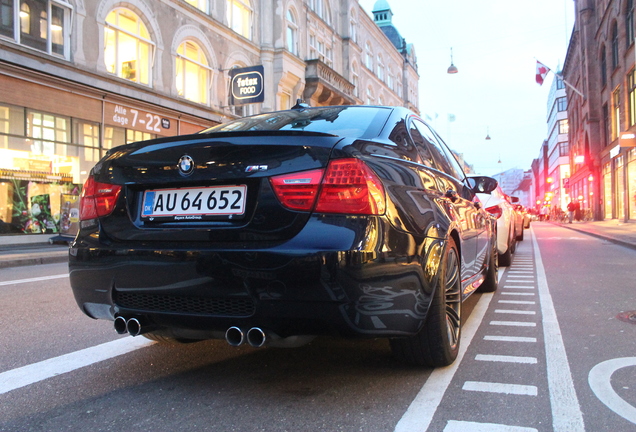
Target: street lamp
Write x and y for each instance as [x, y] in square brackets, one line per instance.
[452, 69]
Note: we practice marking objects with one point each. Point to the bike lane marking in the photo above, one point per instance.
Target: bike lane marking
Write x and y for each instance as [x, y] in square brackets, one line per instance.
[599, 379]
[566, 410]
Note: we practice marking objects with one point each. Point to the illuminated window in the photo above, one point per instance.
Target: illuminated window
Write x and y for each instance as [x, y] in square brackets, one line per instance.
[42, 24]
[193, 73]
[47, 130]
[134, 136]
[199, 4]
[128, 48]
[292, 33]
[616, 113]
[239, 17]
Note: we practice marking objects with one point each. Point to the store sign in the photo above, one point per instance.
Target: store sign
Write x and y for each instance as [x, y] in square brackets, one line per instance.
[627, 139]
[137, 119]
[615, 151]
[246, 85]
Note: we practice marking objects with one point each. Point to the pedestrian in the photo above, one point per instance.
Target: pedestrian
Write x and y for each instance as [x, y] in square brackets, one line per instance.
[571, 208]
[545, 210]
[577, 211]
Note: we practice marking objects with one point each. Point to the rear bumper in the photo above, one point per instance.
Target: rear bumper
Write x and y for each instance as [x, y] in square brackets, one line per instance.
[285, 290]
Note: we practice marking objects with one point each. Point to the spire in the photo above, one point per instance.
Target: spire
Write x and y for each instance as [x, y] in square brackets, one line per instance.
[382, 14]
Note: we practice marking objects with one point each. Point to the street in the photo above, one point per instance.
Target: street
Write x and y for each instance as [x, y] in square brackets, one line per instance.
[547, 352]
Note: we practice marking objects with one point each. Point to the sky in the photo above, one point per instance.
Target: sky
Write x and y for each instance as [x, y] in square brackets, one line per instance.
[495, 46]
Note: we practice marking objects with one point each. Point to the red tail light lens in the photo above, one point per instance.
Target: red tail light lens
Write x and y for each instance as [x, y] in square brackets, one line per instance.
[496, 211]
[98, 199]
[298, 191]
[349, 186]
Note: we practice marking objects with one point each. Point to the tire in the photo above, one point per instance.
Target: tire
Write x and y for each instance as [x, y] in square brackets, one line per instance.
[520, 236]
[491, 283]
[437, 343]
[505, 259]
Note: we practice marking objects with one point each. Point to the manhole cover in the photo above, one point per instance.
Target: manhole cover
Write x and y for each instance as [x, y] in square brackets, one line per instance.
[629, 317]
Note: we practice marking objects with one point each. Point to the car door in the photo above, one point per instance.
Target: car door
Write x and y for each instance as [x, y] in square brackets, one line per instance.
[460, 197]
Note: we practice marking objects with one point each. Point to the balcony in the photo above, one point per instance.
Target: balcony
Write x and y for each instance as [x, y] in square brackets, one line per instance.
[324, 86]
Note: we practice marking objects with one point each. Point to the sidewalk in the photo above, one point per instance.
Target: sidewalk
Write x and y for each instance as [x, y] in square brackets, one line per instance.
[619, 232]
[26, 250]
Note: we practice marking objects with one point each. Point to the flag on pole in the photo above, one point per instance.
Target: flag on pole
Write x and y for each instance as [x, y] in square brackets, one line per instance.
[542, 71]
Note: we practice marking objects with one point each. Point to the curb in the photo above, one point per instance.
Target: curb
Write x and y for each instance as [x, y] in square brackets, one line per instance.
[21, 262]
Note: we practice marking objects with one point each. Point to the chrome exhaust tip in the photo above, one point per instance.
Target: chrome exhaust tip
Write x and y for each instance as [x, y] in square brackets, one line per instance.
[256, 337]
[133, 326]
[234, 336]
[120, 325]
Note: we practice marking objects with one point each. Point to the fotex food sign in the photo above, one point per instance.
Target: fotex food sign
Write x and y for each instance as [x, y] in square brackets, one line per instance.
[246, 85]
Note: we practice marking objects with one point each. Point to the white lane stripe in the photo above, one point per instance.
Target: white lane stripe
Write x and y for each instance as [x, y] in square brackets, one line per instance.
[506, 359]
[420, 413]
[516, 293]
[37, 279]
[519, 302]
[506, 286]
[511, 339]
[513, 323]
[566, 411]
[465, 426]
[514, 312]
[30, 374]
[489, 387]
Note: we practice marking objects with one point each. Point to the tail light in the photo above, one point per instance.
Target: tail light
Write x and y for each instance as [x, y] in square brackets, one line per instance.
[98, 199]
[348, 186]
[496, 211]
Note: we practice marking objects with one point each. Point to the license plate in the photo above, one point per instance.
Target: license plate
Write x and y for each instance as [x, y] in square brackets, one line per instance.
[194, 203]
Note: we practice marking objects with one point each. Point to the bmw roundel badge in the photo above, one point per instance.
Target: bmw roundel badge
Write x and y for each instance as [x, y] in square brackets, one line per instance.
[186, 165]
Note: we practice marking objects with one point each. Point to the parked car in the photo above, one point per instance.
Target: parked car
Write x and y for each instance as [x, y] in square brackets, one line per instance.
[497, 204]
[519, 217]
[353, 221]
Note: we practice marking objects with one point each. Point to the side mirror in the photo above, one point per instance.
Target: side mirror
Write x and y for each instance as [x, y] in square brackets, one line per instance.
[482, 184]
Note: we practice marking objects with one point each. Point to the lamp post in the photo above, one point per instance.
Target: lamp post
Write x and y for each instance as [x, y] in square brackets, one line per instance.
[452, 69]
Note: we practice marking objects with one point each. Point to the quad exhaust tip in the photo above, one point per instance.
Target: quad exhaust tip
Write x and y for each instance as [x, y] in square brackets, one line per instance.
[132, 326]
[255, 337]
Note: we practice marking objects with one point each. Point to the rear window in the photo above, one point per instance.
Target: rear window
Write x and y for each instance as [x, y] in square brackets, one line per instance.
[357, 122]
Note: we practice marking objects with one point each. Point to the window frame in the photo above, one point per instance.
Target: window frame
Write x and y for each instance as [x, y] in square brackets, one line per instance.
[247, 19]
[205, 86]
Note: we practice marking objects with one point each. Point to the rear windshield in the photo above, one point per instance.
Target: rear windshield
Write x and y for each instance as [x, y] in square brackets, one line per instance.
[350, 121]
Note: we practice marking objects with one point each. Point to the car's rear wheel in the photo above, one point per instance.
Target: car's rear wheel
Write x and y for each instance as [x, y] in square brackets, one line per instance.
[520, 236]
[491, 283]
[505, 258]
[437, 343]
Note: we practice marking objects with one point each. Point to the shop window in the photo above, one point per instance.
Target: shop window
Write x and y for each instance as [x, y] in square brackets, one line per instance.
[43, 24]
[113, 137]
[193, 73]
[292, 33]
[48, 132]
[86, 136]
[134, 136]
[128, 49]
[239, 17]
[199, 4]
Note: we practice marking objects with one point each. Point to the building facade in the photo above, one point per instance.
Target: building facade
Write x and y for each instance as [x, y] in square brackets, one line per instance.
[557, 182]
[79, 77]
[600, 64]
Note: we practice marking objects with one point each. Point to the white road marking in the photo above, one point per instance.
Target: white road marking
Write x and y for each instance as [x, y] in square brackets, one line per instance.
[30, 374]
[516, 293]
[37, 279]
[599, 379]
[515, 312]
[566, 411]
[519, 287]
[524, 302]
[511, 339]
[420, 413]
[513, 323]
[506, 359]
[489, 387]
[464, 426]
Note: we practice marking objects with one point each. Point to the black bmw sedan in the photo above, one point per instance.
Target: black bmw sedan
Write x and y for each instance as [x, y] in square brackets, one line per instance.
[353, 221]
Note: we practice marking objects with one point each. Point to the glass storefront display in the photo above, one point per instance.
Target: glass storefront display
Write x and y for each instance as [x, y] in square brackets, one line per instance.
[631, 175]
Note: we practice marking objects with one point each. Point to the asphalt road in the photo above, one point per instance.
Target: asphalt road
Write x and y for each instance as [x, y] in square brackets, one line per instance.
[547, 352]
